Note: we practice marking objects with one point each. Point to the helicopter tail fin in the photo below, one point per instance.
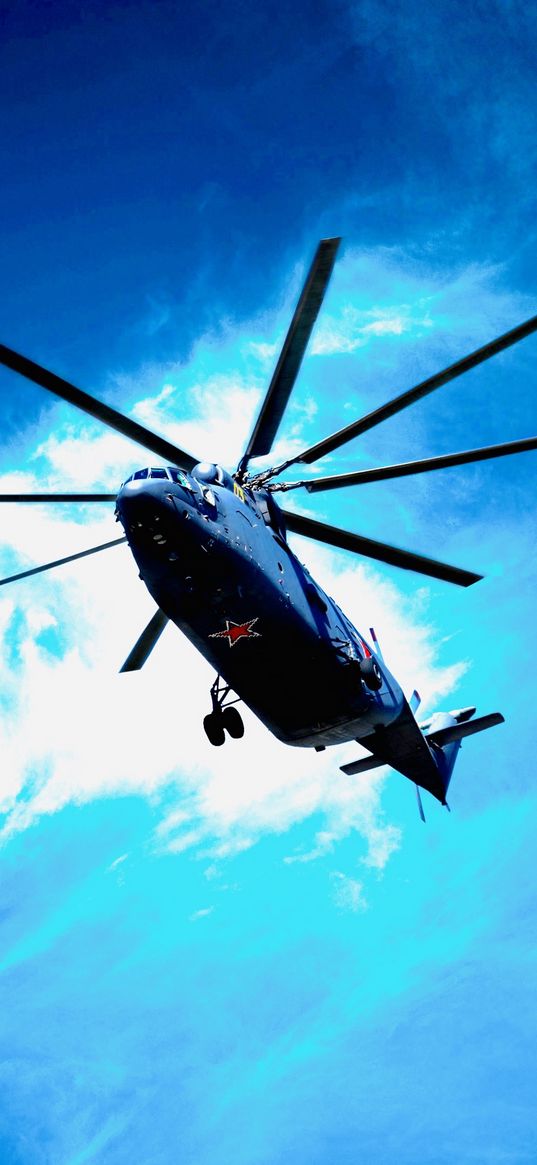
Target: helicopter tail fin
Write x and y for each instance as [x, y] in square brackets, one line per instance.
[431, 748]
[446, 730]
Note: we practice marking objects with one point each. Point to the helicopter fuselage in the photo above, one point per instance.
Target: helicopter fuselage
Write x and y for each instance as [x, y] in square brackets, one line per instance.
[215, 558]
[212, 550]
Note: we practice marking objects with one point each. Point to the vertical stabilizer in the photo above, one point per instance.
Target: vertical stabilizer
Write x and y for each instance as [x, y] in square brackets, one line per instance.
[444, 754]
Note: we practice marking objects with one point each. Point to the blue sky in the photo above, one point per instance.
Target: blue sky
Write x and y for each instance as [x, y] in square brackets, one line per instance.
[246, 956]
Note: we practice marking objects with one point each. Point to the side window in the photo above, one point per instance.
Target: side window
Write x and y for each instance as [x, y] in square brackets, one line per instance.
[209, 498]
[179, 478]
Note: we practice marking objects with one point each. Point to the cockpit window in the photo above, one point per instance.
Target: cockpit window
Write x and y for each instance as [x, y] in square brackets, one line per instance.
[168, 473]
[178, 477]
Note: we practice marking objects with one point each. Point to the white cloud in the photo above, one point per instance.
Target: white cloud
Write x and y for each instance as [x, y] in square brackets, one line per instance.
[353, 328]
[75, 458]
[386, 292]
[118, 861]
[265, 352]
[223, 408]
[348, 892]
[203, 913]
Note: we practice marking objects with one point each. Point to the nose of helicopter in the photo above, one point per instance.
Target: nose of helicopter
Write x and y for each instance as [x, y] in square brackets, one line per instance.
[132, 489]
[140, 504]
[157, 515]
[133, 501]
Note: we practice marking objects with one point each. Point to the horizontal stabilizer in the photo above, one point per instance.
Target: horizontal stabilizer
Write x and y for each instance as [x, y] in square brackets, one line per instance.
[442, 737]
[457, 731]
[362, 766]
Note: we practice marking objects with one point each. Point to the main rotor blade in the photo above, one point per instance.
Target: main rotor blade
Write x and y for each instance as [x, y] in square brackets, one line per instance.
[413, 394]
[144, 645]
[57, 498]
[381, 551]
[407, 468]
[170, 453]
[60, 561]
[292, 353]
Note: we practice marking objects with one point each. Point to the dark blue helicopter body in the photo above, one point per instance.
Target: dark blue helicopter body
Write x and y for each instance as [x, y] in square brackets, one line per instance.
[215, 558]
[212, 550]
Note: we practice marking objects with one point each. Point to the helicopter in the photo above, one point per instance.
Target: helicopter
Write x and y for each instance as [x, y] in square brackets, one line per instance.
[212, 548]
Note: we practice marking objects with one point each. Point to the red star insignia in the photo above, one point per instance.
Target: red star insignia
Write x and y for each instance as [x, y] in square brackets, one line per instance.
[236, 631]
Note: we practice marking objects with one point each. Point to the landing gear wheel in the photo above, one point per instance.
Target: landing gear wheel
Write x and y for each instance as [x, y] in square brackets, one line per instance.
[232, 721]
[371, 674]
[224, 717]
[214, 728]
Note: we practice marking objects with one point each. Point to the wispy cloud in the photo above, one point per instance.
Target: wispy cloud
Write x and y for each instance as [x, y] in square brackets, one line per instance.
[204, 912]
[354, 328]
[348, 892]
